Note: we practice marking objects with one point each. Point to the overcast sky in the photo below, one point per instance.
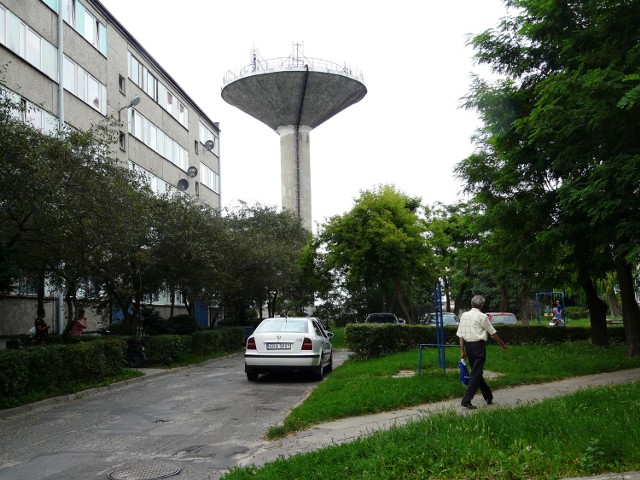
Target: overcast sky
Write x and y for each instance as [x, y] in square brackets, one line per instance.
[408, 131]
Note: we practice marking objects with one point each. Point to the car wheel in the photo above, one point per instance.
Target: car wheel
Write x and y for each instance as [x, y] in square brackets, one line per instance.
[252, 375]
[320, 372]
[330, 364]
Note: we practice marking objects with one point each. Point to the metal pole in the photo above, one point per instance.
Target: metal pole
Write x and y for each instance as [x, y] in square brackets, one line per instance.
[437, 302]
[63, 6]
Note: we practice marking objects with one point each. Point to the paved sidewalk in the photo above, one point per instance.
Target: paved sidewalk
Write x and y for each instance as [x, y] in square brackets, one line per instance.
[341, 431]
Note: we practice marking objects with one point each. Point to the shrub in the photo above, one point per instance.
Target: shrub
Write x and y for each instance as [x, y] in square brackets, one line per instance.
[183, 324]
[577, 312]
[166, 349]
[374, 340]
[153, 323]
[55, 368]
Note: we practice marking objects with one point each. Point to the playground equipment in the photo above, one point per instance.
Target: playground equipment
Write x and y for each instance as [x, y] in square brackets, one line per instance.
[440, 345]
[547, 315]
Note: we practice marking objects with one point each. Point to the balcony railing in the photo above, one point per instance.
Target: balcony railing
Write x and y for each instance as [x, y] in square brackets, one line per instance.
[292, 64]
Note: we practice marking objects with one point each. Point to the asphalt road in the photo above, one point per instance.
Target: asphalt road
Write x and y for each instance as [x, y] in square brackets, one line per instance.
[196, 419]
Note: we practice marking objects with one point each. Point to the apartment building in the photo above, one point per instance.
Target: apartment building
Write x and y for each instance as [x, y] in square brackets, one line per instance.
[83, 67]
[105, 71]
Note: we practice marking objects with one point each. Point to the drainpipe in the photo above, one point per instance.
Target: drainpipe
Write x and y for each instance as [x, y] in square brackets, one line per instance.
[63, 6]
[304, 92]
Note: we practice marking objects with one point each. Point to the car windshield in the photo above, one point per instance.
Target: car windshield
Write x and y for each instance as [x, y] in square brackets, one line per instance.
[447, 318]
[283, 325]
[381, 318]
[503, 319]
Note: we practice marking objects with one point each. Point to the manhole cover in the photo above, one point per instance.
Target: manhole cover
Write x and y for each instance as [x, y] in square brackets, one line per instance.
[145, 472]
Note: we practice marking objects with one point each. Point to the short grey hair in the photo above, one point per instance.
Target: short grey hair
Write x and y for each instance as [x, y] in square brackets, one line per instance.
[477, 301]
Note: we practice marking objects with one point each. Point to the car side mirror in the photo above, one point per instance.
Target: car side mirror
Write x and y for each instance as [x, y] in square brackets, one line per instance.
[330, 334]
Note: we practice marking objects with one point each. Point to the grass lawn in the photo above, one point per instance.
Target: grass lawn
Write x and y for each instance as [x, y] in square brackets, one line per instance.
[364, 387]
[587, 433]
[591, 432]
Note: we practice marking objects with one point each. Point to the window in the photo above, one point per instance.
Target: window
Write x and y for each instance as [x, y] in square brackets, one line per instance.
[134, 70]
[33, 48]
[90, 28]
[93, 92]
[142, 77]
[3, 26]
[50, 60]
[150, 85]
[195, 146]
[53, 4]
[84, 23]
[81, 85]
[206, 135]
[157, 140]
[33, 115]
[27, 44]
[122, 84]
[209, 178]
[69, 75]
[15, 34]
[79, 82]
[122, 141]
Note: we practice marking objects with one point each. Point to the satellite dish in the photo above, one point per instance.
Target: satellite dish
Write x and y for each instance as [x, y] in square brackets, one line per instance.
[183, 184]
[192, 171]
[209, 145]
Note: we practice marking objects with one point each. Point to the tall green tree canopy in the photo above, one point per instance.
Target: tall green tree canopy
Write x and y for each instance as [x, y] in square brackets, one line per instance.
[561, 135]
[380, 247]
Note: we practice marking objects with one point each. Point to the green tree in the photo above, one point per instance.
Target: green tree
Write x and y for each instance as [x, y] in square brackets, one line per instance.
[380, 248]
[262, 259]
[566, 66]
[190, 240]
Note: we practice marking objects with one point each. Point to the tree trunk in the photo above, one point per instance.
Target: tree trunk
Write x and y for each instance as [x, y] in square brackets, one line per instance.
[630, 310]
[172, 297]
[462, 291]
[40, 279]
[404, 306]
[71, 301]
[447, 295]
[597, 310]
[616, 311]
[504, 299]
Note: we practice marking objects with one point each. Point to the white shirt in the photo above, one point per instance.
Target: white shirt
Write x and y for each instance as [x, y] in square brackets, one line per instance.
[475, 326]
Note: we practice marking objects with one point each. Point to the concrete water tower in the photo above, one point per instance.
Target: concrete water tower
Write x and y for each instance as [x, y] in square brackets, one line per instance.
[293, 95]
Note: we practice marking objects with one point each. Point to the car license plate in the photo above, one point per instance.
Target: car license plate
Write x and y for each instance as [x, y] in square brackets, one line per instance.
[278, 346]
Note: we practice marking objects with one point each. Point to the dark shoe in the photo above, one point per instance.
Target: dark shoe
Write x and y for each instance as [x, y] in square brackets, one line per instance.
[489, 400]
[468, 405]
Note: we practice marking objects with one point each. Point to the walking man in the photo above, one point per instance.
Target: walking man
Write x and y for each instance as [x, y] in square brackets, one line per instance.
[473, 332]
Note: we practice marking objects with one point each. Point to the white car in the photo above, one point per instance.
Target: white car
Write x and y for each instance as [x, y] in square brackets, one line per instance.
[289, 344]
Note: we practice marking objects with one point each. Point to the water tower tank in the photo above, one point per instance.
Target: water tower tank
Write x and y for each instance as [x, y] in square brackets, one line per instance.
[293, 95]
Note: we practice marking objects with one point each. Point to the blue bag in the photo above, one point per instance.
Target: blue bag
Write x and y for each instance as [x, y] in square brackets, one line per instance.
[464, 372]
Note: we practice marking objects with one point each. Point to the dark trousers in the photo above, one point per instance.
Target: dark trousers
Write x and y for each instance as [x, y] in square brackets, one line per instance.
[477, 354]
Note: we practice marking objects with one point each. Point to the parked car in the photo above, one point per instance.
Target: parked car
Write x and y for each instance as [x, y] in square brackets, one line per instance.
[502, 318]
[448, 318]
[295, 344]
[381, 318]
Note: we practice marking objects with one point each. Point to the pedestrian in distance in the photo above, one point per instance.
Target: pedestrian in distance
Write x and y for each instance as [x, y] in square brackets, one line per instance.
[473, 332]
[42, 329]
[79, 324]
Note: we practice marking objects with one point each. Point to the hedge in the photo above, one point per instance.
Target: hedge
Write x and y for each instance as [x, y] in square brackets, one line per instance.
[368, 340]
[55, 368]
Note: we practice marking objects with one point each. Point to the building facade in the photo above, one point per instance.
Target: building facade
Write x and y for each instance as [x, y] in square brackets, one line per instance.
[84, 67]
